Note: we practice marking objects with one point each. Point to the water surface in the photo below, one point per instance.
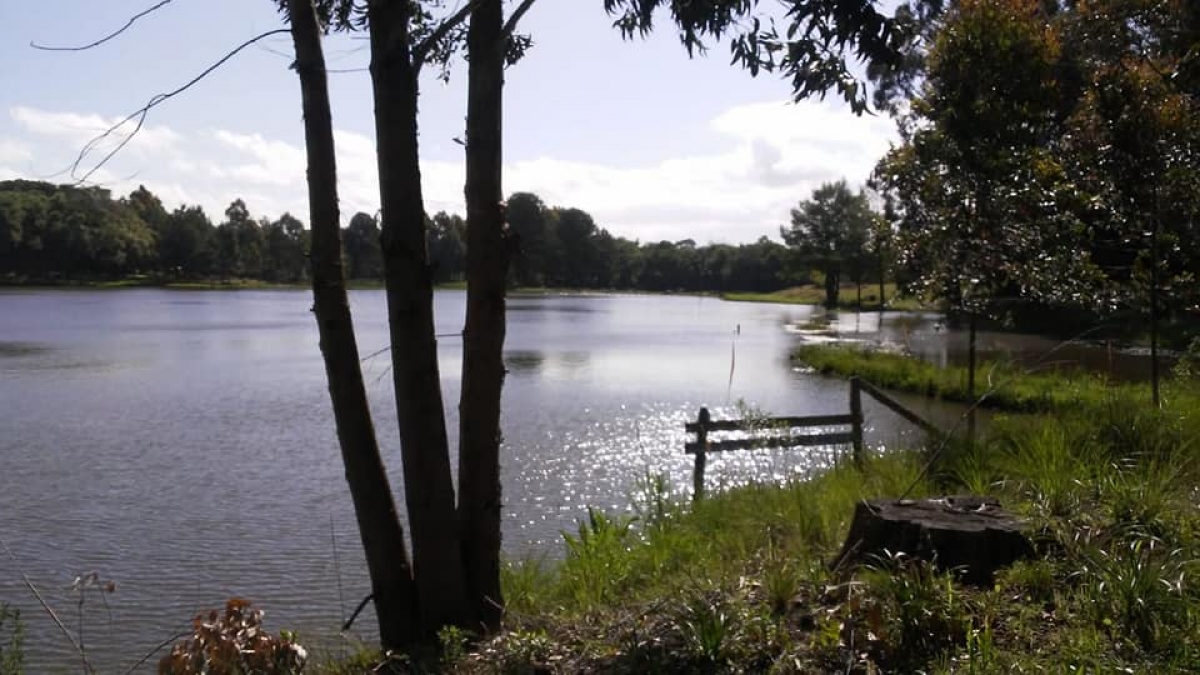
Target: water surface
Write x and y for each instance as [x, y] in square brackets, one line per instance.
[181, 442]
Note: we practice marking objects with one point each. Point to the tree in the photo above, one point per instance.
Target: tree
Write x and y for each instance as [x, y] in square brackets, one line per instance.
[536, 243]
[286, 245]
[392, 585]
[185, 244]
[985, 209]
[447, 247]
[364, 257]
[829, 231]
[1133, 141]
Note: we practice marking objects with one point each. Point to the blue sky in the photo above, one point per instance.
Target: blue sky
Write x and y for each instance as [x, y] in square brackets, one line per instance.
[653, 144]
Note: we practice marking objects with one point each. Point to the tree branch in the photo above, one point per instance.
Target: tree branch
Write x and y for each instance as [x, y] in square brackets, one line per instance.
[510, 26]
[422, 50]
[141, 113]
[106, 38]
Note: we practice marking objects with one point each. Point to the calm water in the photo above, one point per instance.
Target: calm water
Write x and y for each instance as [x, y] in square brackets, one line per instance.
[181, 443]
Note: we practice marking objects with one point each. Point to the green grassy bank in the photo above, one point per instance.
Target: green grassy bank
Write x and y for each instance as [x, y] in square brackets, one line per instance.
[739, 583]
[1008, 387]
[847, 297]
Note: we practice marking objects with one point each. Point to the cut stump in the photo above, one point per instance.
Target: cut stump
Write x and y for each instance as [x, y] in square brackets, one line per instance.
[968, 534]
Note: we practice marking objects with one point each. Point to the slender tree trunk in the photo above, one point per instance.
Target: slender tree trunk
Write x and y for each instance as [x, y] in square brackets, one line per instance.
[1154, 371]
[378, 522]
[832, 286]
[971, 376]
[882, 297]
[858, 294]
[428, 485]
[483, 339]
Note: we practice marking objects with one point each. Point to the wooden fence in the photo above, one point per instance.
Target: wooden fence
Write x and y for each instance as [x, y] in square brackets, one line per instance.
[782, 431]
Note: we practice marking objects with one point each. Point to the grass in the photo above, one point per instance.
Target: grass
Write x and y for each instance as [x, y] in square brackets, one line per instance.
[739, 583]
[847, 297]
[1008, 387]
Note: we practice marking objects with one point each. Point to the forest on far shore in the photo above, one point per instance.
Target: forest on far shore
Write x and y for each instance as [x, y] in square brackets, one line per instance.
[62, 234]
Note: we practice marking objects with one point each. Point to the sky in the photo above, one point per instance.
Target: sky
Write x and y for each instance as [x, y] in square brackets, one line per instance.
[656, 146]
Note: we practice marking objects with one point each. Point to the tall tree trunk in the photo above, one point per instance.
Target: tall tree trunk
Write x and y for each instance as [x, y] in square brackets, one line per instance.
[832, 286]
[378, 523]
[882, 297]
[483, 339]
[1154, 370]
[971, 376]
[428, 485]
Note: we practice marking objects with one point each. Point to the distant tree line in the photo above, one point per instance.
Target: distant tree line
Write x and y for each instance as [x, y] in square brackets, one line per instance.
[61, 232]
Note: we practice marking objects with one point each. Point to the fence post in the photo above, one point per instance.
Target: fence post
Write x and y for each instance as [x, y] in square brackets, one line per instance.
[701, 458]
[857, 422]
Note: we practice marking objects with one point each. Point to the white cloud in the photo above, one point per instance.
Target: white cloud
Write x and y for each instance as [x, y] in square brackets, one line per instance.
[81, 129]
[771, 156]
[12, 151]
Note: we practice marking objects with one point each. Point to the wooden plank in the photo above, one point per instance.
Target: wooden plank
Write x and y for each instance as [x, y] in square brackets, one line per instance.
[772, 422]
[896, 407]
[701, 459]
[857, 413]
[806, 440]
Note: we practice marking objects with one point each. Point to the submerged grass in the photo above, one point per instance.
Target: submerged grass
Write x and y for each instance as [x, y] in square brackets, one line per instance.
[1008, 386]
[847, 297]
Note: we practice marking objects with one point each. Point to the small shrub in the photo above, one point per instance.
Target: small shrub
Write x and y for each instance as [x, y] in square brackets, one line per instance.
[234, 642]
[708, 627]
[780, 583]
[1138, 591]
[923, 616]
[597, 564]
[522, 652]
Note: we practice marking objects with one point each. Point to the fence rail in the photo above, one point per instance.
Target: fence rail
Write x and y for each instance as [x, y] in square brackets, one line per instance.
[783, 428]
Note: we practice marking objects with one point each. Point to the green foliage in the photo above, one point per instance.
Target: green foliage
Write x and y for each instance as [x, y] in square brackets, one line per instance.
[233, 641]
[1141, 590]
[12, 641]
[811, 50]
[739, 583]
[831, 232]
[55, 234]
[596, 564]
[708, 627]
[1008, 386]
[921, 616]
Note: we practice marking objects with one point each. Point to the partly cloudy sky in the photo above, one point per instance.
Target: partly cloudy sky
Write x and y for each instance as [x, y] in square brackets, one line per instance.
[654, 145]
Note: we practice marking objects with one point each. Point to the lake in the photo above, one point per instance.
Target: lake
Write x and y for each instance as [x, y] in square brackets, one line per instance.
[181, 443]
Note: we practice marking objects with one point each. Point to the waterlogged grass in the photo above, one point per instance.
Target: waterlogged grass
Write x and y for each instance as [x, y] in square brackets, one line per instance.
[1007, 386]
[847, 297]
[740, 583]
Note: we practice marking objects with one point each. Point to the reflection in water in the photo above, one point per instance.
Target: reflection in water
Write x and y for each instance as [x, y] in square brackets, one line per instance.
[17, 349]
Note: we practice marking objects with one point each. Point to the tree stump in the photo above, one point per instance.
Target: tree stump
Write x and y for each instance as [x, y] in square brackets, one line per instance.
[970, 535]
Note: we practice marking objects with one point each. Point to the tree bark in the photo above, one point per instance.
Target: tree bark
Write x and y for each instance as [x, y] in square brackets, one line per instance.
[971, 376]
[428, 485]
[833, 284]
[483, 338]
[378, 523]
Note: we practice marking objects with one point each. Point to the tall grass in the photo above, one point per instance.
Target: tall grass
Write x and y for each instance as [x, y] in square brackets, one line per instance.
[739, 582]
[1007, 386]
[847, 297]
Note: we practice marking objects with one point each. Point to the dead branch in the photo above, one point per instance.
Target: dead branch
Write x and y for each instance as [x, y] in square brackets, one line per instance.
[106, 38]
[510, 26]
[46, 606]
[140, 114]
